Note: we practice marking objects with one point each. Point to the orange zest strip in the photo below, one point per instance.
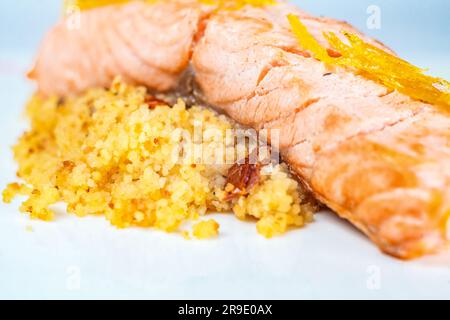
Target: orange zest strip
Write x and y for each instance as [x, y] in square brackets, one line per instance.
[307, 41]
[220, 4]
[90, 4]
[237, 4]
[375, 64]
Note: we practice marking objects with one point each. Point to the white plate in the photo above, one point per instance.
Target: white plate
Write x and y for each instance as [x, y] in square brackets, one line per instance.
[87, 258]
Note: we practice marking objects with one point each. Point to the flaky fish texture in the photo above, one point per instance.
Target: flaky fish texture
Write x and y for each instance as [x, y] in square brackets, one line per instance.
[375, 156]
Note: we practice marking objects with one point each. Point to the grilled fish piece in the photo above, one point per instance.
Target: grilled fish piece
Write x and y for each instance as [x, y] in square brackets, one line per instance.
[375, 156]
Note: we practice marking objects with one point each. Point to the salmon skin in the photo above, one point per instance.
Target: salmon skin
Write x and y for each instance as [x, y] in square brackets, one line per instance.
[373, 155]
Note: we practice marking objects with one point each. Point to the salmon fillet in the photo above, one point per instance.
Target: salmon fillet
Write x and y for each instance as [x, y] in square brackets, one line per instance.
[376, 157]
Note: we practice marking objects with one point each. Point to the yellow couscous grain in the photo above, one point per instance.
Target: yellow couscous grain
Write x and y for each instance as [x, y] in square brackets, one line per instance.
[112, 153]
[206, 229]
[186, 235]
[13, 190]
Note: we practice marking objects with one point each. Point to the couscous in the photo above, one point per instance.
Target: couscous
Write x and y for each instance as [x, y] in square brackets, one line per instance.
[122, 153]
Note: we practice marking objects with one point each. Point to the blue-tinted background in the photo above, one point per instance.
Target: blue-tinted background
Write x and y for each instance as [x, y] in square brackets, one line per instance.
[418, 30]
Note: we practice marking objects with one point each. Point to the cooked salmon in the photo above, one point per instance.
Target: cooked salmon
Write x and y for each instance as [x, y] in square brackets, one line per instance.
[376, 157]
